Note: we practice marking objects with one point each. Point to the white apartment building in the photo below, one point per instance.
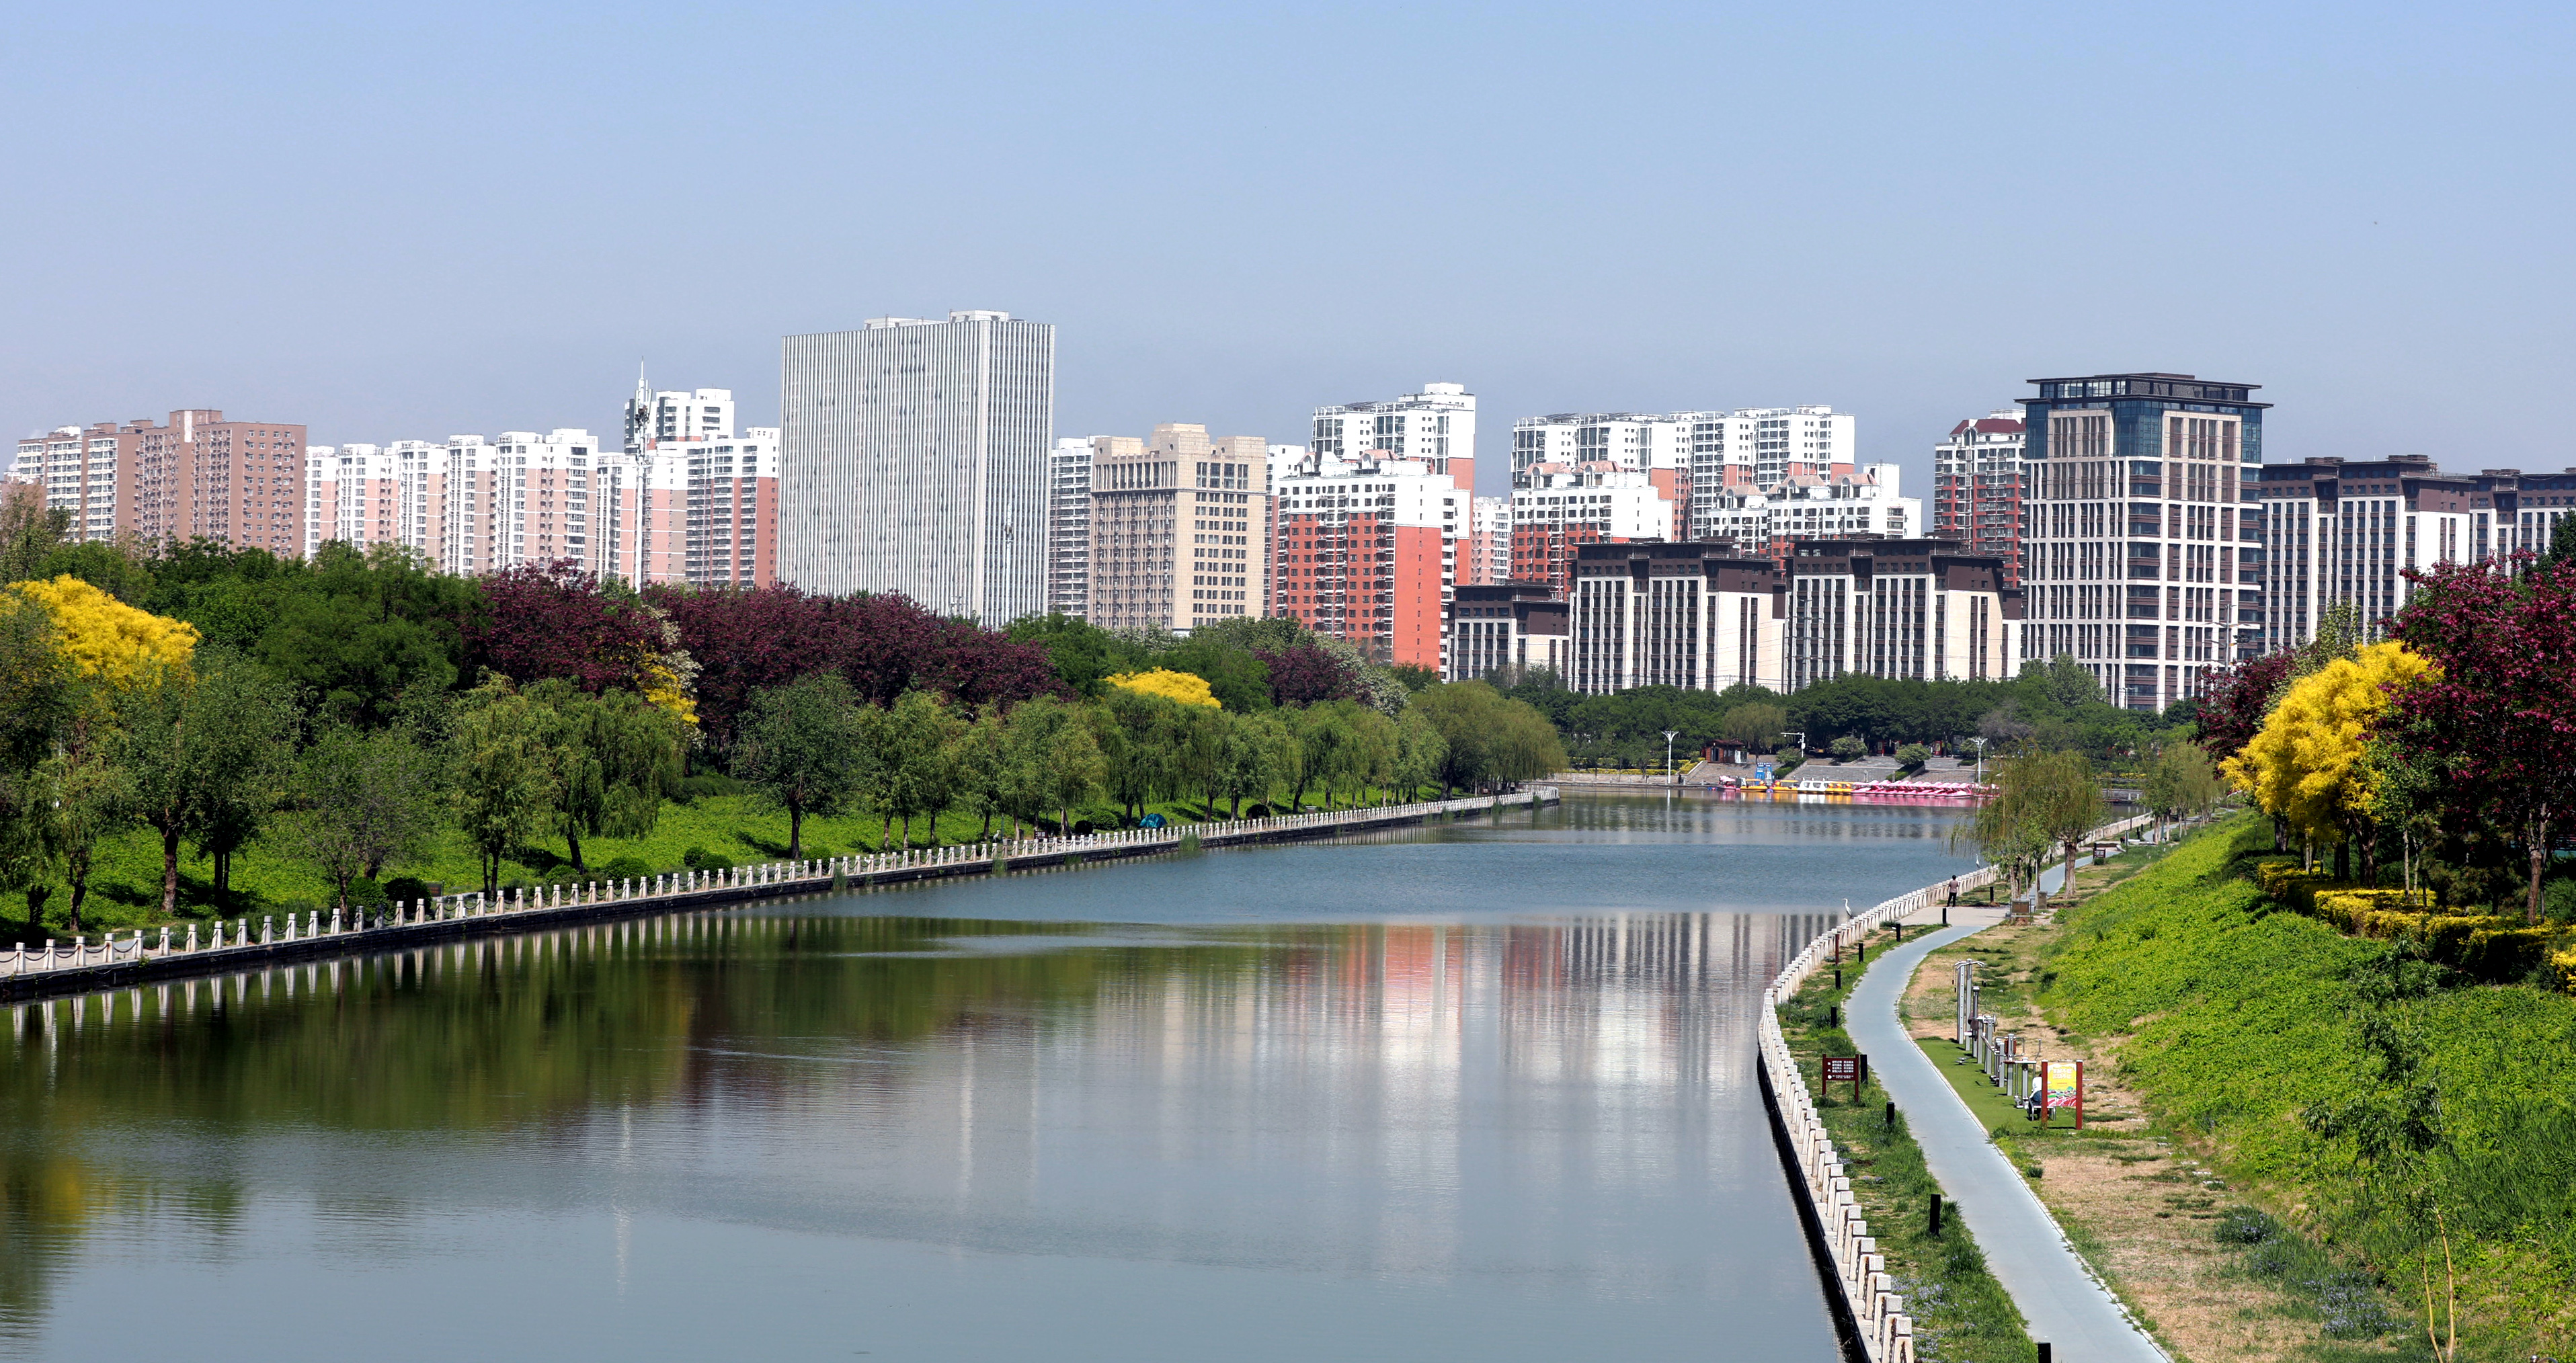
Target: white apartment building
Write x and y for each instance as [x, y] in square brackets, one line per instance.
[1504, 630]
[1696, 616]
[2349, 531]
[1763, 521]
[1486, 559]
[1556, 508]
[914, 458]
[703, 414]
[2139, 519]
[1069, 528]
[1436, 426]
[525, 498]
[1366, 548]
[1701, 456]
[1899, 609]
[77, 468]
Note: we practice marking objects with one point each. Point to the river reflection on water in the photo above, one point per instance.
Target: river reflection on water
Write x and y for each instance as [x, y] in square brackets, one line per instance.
[1482, 1091]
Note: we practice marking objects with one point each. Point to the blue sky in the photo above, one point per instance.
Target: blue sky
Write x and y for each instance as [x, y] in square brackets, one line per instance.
[400, 222]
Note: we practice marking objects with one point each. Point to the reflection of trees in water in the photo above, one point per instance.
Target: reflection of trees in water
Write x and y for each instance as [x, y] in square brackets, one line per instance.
[528, 1038]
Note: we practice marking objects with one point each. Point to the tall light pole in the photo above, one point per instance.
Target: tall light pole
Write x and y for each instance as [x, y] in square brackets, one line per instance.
[1669, 774]
[1981, 759]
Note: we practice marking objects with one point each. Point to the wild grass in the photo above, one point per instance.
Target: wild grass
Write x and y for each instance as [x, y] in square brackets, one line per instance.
[1961, 1314]
[2246, 1022]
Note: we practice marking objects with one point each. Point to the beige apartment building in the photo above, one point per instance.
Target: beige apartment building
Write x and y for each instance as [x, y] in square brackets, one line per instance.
[1180, 525]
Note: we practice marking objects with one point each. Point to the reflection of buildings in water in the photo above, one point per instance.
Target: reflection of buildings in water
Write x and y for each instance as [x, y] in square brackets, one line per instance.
[1338, 1097]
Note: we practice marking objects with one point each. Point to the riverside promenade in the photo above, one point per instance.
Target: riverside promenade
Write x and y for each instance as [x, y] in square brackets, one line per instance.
[2065, 1303]
[236, 944]
[1868, 1310]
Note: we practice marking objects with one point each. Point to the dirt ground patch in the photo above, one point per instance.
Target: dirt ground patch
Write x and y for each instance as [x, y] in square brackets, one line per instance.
[2133, 1195]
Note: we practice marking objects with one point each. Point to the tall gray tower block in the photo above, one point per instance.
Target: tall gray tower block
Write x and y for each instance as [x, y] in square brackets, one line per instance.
[913, 459]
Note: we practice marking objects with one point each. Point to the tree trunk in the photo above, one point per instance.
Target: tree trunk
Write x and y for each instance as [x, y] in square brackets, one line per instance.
[2539, 859]
[2066, 887]
[80, 891]
[1064, 821]
[907, 832]
[169, 875]
[885, 834]
[572, 841]
[795, 832]
[36, 897]
[223, 874]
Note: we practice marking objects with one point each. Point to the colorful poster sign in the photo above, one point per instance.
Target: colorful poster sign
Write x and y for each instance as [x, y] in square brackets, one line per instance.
[2063, 1086]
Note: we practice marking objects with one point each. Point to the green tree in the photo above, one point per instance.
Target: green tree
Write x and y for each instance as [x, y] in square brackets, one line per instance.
[1056, 758]
[502, 781]
[203, 747]
[981, 756]
[1468, 716]
[804, 748]
[918, 749]
[2049, 798]
[2182, 781]
[1755, 726]
[1133, 739]
[1419, 750]
[614, 755]
[362, 801]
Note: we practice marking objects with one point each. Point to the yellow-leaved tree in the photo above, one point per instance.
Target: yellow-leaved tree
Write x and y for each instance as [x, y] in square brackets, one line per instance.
[106, 639]
[2310, 764]
[1186, 687]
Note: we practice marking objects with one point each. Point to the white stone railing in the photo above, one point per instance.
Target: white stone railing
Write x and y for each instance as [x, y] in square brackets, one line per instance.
[693, 888]
[1886, 1331]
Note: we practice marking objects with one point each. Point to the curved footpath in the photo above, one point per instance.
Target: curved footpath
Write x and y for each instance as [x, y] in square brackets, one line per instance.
[2066, 1305]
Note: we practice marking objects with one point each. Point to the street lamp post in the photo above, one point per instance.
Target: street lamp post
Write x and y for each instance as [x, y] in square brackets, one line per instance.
[1668, 754]
[1981, 759]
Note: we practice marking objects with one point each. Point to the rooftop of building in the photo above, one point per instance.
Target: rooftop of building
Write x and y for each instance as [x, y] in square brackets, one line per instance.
[2144, 384]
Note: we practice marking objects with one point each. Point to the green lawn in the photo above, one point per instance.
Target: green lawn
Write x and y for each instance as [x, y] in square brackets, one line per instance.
[125, 887]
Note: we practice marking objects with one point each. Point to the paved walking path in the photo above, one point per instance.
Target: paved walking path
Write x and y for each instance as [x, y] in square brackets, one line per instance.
[2065, 1305]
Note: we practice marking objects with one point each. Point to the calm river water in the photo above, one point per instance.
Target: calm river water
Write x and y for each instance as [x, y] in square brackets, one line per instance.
[1482, 1091]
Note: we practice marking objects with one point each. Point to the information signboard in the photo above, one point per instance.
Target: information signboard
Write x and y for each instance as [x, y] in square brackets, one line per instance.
[1844, 1069]
[2063, 1086]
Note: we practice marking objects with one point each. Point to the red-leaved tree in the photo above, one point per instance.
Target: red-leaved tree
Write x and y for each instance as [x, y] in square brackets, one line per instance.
[747, 640]
[554, 621]
[2500, 705]
[1303, 674]
[2232, 709]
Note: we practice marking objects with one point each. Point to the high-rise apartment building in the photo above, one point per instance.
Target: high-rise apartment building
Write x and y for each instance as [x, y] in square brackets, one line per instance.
[702, 510]
[1486, 559]
[523, 499]
[1765, 521]
[1178, 521]
[913, 459]
[1435, 426]
[1977, 488]
[2348, 531]
[1069, 528]
[1366, 548]
[365, 495]
[1557, 508]
[2142, 545]
[237, 482]
[652, 418]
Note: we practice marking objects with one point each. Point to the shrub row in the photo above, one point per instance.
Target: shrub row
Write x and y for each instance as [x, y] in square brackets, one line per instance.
[2488, 946]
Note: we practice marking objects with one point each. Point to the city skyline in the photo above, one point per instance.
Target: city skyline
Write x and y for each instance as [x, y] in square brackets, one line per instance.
[1828, 224]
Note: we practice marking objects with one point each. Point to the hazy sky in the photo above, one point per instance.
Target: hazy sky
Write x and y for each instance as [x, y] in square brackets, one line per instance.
[394, 222]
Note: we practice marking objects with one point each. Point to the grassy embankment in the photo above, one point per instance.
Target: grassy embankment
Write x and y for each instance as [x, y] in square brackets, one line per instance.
[1961, 1314]
[2236, 1029]
[125, 887]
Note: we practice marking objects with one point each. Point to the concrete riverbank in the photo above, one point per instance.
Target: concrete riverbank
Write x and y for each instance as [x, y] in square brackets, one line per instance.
[231, 945]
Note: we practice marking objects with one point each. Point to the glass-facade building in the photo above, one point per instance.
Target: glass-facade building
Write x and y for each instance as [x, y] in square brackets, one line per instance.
[2142, 534]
